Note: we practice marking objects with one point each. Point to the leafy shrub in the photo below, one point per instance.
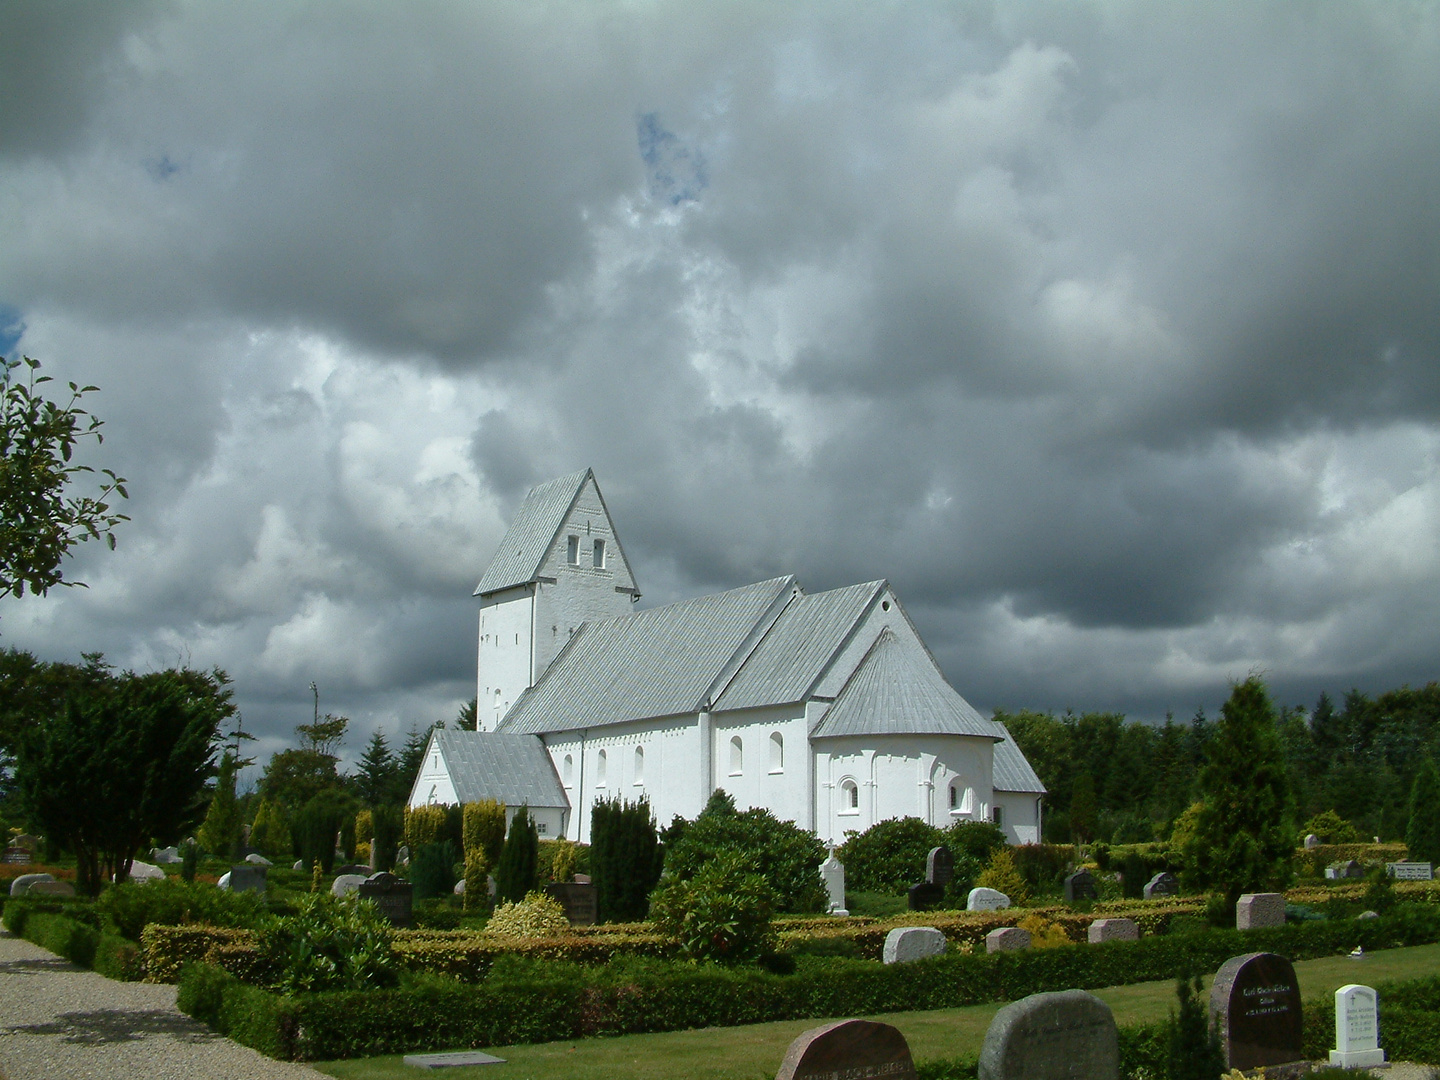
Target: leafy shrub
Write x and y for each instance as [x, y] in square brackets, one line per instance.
[1000, 873]
[721, 913]
[477, 879]
[785, 855]
[330, 943]
[564, 858]
[537, 915]
[132, 906]
[423, 825]
[1044, 933]
[167, 949]
[432, 870]
[889, 856]
[316, 825]
[978, 839]
[1043, 866]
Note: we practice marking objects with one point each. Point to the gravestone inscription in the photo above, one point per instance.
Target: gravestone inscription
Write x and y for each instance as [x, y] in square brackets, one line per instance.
[1357, 1028]
[983, 899]
[578, 900]
[1255, 1005]
[1069, 1035]
[1162, 884]
[1411, 871]
[1080, 886]
[940, 866]
[848, 1050]
[392, 895]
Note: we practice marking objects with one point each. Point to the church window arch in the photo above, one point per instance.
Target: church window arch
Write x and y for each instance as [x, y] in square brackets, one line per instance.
[600, 764]
[572, 550]
[737, 756]
[849, 796]
[568, 770]
[962, 798]
[777, 752]
[639, 765]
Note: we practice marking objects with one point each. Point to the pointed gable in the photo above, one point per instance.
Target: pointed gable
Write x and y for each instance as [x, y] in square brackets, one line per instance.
[513, 769]
[531, 534]
[897, 691]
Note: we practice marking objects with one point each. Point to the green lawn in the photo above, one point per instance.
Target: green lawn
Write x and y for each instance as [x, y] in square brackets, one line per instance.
[746, 1053]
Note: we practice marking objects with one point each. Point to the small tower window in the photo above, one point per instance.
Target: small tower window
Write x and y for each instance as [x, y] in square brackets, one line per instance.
[600, 769]
[777, 752]
[737, 756]
[639, 765]
[849, 797]
[569, 771]
[572, 551]
[597, 556]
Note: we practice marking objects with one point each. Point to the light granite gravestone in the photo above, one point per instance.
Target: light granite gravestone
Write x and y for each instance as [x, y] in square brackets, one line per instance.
[169, 856]
[51, 888]
[1255, 1005]
[1162, 884]
[21, 885]
[1080, 886]
[906, 943]
[848, 1049]
[144, 871]
[1114, 930]
[1311, 842]
[299, 865]
[983, 899]
[1254, 910]
[940, 866]
[452, 1059]
[1068, 1035]
[832, 874]
[1007, 939]
[392, 895]
[1357, 1028]
[345, 884]
[1410, 871]
[256, 859]
[1346, 870]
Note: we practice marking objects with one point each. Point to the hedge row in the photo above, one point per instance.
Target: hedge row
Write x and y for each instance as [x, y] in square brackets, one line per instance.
[111, 955]
[559, 1001]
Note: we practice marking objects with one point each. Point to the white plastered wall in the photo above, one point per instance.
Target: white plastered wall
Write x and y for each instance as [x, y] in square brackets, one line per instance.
[1019, 816]
[781, 787]
[504, 653]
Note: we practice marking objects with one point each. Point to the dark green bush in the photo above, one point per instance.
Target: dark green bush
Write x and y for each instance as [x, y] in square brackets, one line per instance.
[722, 913]
[624, 859]
[133, 906]
[518, 872]
[889, 856]
[1043, 866]
[432, 870]
[110, 955]
[329, 944]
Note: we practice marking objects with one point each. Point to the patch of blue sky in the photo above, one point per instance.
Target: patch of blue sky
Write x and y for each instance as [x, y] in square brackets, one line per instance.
[676, 172]
[12, 329]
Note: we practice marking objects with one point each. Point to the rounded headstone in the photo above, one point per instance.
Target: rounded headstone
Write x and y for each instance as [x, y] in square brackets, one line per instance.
[1007, 939]
[21, 885]
[1080, 886]
[1057, 1036]
[906, 943]
[983, 899]
[1162, 884]
[1357, 1028]
[940, 866]
[459, 889]
[51, 888]
[256, 859]
[224, 882]
[346, 884]
[1114, 930]
[1255, 1005]
[1311, 841]
[299, 865]
[848, 1048]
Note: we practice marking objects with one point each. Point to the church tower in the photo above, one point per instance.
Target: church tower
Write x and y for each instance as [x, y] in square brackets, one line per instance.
[559, 566]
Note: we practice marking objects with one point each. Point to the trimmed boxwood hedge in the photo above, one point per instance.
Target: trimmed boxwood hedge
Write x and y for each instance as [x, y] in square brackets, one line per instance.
[536, 1002]
[109, 954]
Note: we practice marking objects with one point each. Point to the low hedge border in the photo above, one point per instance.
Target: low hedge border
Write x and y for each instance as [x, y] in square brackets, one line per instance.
[576, 1002]
[113, 956]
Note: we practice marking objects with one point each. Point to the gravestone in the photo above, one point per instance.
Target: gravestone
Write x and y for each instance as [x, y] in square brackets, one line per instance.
[25, 840]
[392, 895]
[402, 856]
[299, 865]
[345, 884]
[940, 866]
[16, 856]
[983, 899]
[1114, 930]
[451, 1059]
[144, 871]
[906, 943]
[923, 896]
[51, 888]
[21, 885]
[848, 1049]
[374, 856]
[1255, 1005]
[832, 874]
[578, 900]
[1357, 1028]
[1007, 939]
[1344, 870]
[1162, 884]
[1410, 871]
[1254, 910]
[1080, 886]
[256, 859]
[1069, 1035]
[247, 878]
[1311, 842]
[168, 856]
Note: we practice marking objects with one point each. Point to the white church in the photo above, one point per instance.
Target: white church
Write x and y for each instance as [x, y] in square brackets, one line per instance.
[826, 708]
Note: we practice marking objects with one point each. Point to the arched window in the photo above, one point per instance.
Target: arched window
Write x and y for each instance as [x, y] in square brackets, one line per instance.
[737, 756]
[600, 769]
[962, 798]
[849, 797]
[639, 765]
[569, 770]
[777, 752]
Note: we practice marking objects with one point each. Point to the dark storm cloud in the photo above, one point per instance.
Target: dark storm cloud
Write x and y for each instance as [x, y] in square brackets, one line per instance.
[1109, 333]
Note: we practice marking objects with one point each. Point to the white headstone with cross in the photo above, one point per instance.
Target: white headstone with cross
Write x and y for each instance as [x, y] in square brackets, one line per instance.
[1357, 1028]
[832, 873]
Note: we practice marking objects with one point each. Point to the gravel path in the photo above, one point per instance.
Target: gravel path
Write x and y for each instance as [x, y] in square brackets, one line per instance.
[59, 1020]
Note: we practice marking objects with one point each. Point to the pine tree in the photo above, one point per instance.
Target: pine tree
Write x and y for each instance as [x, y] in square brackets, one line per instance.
[623, 858]
[1422, 838]
[519, 870]
[1239, 843]
[220, 834]
[1195, 1052]
[375, 777]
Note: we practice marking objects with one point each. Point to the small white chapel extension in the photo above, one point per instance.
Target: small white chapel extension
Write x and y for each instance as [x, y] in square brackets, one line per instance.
[826, 708]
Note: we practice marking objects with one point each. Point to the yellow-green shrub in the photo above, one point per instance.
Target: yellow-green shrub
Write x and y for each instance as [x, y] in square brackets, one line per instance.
[537, 915]
[423, 825]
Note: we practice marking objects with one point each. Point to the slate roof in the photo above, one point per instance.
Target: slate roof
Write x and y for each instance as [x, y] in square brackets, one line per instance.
[514, 769]
[896, 691]
[658, 662]
[1011, 772]
[536, 524]
[793, 654]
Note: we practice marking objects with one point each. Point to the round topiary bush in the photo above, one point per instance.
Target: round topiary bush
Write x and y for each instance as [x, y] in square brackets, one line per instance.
[537, 915]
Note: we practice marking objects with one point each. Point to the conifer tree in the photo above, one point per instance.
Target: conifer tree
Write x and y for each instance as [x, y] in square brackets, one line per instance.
[1422, 838]
[220, 834]
[1195, 1052]
[519, 870]
[623, 862]
[484, 828]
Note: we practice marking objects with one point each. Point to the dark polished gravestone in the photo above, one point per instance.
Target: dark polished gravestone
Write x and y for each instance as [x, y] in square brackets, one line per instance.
[392, 895]
[925, 896]
[245, 877]
[1162, 884]
[1255, 1005]
[577, 898]
[1069, 1035]
[940, 866]
[1080, 886]
[848, 1050]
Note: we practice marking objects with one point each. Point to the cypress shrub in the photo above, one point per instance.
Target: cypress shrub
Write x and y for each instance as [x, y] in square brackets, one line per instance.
[432, 869]
[388, 825]
[519, 868]
[623, 847]
[484, 827]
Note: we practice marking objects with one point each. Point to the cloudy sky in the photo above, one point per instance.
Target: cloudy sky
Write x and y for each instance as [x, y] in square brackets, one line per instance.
[1109, 332]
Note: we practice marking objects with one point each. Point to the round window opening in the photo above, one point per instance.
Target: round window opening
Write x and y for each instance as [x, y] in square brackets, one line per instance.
[885, 605]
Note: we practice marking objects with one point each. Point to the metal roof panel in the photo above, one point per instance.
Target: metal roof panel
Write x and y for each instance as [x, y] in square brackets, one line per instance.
[531, 533]
[514, 769]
